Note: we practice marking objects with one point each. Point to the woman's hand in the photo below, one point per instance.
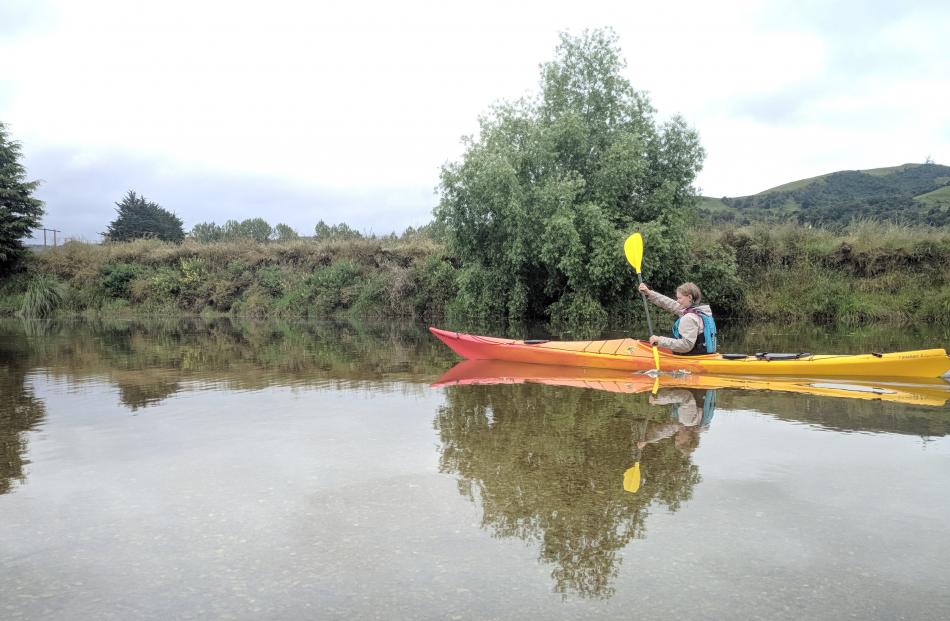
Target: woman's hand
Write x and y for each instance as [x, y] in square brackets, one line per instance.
[643, 288]
[654, 339]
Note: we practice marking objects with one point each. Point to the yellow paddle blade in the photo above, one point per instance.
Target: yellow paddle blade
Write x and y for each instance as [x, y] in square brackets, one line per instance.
[631, 479]
[656, 357]
[633, 248]
[656, 383]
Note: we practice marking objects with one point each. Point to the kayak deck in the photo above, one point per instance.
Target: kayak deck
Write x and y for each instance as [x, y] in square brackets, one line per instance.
[634, 355]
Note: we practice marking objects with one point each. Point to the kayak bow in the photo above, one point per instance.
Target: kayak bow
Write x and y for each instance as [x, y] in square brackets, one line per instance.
[633, 355]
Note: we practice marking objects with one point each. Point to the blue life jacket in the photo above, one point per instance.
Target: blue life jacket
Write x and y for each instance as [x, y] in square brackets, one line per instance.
[705, 340]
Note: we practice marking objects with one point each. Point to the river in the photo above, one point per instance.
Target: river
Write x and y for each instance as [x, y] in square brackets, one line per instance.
[193, 469]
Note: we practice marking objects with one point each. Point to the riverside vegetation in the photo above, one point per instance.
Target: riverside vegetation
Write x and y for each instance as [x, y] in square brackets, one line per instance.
[870, 272]
[530, 226]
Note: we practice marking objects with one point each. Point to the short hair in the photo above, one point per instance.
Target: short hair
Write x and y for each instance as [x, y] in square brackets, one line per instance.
[690, 289]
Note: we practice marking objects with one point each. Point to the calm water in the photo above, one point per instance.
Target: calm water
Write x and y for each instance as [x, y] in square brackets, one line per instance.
[313, 471]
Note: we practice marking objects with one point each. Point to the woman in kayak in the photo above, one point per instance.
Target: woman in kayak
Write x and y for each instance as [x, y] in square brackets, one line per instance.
[694, 333]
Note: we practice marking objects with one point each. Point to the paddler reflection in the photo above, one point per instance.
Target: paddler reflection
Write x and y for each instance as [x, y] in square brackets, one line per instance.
[691, 412]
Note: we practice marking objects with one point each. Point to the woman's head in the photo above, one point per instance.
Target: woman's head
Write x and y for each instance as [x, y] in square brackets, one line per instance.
[690, 290]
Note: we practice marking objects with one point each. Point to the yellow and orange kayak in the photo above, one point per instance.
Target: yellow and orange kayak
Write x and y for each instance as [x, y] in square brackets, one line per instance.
[635, 355]
[915, 391]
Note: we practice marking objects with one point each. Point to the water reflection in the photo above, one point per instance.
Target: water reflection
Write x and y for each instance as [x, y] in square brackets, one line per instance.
[545, 464]
[580, 470]
[148, 361]
[20, 411]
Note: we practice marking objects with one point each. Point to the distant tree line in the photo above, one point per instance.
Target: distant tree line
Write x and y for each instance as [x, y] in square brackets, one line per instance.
[140, 218]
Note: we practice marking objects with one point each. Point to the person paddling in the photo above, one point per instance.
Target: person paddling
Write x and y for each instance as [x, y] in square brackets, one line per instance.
[694, 333]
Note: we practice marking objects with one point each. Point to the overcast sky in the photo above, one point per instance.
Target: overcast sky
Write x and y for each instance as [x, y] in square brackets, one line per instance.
[301, 111]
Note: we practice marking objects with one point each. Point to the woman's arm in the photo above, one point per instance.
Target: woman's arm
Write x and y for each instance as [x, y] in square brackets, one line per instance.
[667, 304]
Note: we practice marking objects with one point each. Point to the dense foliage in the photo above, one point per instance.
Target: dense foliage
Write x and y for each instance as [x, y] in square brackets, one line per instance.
[904, 194]
[19, 210]
[541, 201]
[138, 218]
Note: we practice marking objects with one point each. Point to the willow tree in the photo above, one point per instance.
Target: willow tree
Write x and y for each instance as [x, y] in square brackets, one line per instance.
[540, 202]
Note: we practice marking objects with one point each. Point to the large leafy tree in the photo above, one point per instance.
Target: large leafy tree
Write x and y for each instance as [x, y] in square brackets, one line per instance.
[139, 217]
[539, 205]
[19, 210]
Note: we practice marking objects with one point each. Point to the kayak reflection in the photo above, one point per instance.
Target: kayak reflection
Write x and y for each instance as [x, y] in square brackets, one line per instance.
[922, 391]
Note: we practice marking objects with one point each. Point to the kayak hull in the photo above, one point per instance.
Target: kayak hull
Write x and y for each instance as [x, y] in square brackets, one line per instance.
[634, 355]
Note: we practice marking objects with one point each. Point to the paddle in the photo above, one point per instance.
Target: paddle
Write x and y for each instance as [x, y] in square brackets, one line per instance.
[633, 249]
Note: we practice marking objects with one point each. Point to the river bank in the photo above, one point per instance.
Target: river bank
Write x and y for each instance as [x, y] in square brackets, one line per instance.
[869, 273]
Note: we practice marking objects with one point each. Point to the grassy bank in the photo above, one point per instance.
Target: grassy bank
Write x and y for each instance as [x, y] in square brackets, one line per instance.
[300, 278]
[869, 273]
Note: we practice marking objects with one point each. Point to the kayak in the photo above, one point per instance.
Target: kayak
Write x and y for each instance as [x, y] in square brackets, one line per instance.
[635, 355]
[917, 391]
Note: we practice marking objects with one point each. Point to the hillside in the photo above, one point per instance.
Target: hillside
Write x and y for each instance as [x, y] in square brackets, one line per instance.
[910, 193]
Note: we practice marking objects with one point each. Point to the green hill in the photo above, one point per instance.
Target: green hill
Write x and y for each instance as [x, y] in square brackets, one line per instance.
[910, 193]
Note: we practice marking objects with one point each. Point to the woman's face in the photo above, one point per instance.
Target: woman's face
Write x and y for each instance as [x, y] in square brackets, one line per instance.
[684, 300]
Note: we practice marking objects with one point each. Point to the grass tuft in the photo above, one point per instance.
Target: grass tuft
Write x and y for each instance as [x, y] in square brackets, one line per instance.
[43, 296]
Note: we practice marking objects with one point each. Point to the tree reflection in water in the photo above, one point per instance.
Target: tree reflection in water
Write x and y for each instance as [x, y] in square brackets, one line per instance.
[20, 412]
[546, 464]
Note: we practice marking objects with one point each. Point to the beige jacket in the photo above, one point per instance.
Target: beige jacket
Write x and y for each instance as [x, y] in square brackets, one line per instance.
[690, 326]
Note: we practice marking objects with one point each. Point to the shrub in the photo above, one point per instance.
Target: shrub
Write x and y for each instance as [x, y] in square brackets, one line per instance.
[115, 279]
[271, 279]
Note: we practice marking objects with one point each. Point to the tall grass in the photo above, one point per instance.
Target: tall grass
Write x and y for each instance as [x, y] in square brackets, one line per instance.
[43, 296]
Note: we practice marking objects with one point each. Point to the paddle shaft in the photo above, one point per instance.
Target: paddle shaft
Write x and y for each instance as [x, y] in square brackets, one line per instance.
[646, 306]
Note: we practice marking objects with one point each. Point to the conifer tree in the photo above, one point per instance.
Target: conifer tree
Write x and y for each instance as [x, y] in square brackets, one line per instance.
[19, 210]
[139, 217]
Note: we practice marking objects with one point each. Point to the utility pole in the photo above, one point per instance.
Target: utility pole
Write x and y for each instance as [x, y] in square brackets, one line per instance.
[54, 232]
